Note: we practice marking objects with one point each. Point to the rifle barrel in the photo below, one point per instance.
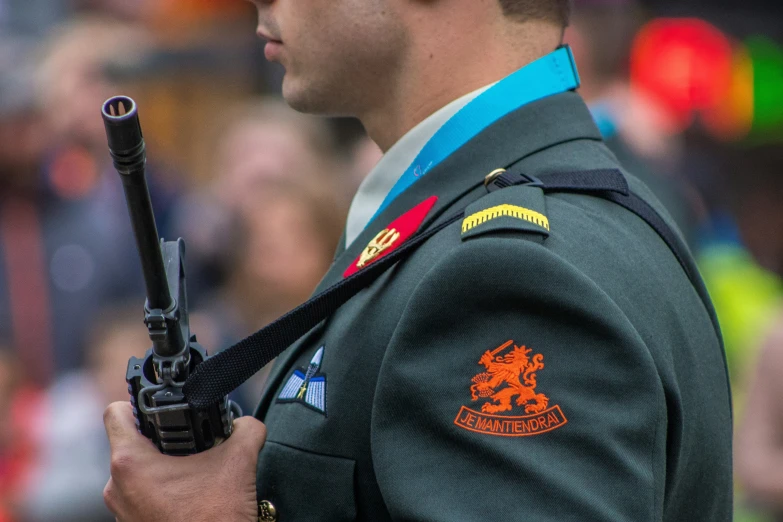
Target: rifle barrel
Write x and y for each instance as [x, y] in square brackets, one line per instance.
[126, 145]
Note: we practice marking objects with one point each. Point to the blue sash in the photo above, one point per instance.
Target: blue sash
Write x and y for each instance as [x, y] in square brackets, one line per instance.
[555, 73]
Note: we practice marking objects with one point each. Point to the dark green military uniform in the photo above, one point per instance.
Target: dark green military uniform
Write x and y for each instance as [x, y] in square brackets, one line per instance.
[609, 403]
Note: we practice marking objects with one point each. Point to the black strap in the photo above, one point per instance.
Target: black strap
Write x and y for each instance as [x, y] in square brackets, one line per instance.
[219, 375]
[225, 371]
[608, 184]
[641, 208]
[585, 182]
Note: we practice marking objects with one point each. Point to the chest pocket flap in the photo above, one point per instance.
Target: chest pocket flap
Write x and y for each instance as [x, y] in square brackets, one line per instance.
[306, 486]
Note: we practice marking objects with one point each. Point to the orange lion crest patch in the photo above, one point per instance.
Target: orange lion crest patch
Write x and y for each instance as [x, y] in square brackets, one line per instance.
[509, 381]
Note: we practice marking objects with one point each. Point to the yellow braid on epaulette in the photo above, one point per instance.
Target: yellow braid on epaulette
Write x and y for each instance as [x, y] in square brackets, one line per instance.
[506, 210]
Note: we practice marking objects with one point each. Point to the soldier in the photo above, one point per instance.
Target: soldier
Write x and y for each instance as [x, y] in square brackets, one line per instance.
[548, 356]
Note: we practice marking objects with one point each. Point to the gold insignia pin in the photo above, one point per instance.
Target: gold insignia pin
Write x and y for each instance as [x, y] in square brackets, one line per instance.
[380, 243]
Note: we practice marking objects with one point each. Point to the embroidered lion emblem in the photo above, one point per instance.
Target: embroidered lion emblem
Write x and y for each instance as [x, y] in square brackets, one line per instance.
[518, 372]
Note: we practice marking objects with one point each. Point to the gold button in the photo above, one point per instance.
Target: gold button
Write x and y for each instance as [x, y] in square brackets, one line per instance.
[489, 178]
[266, 512]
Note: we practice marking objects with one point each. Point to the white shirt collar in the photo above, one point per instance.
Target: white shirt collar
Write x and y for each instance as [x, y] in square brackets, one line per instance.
[392, 166]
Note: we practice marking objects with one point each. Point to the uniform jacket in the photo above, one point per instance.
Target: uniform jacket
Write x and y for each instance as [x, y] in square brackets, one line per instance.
[513, 371]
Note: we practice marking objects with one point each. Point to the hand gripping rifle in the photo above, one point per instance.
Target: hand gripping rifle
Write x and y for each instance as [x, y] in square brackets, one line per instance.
[155, 382]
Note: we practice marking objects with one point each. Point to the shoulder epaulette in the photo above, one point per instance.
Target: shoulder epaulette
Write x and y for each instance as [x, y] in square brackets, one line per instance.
[519, 208]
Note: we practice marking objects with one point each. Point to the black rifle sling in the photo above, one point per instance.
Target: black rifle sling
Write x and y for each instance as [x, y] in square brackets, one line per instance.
[219, 375]
[225, 371]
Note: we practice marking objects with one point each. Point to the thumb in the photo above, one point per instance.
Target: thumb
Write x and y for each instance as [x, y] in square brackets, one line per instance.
[249, 433]
[121, 429]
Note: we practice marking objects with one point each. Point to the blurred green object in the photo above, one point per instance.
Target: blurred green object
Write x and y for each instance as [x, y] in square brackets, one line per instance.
[747, 298]
[767, 57]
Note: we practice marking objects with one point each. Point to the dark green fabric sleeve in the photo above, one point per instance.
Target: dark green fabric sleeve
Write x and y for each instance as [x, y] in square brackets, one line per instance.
[605, 463]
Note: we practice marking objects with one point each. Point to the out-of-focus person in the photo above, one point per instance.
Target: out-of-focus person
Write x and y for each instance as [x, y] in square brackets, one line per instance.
[747, 288]
[24, 278]
[759, 444]
[22, 370]
[269, 226]
[66, 481]
[268, 140]
[601, 35]
[290, 238]
[743, 259]
[72, 82]
[66, 246]
[259, 141]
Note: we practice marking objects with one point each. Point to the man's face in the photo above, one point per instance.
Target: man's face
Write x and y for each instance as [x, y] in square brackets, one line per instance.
[338, 54]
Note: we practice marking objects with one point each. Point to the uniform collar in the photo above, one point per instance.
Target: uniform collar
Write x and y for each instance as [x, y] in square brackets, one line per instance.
[530, 129]
[393, 164]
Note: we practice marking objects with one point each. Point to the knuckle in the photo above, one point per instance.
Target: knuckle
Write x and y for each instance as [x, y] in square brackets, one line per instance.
[259, 429]
[121, 464]
[109, 497]
[251, 435]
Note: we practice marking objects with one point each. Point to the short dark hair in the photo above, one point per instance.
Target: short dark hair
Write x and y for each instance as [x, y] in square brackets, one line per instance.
[557, 11]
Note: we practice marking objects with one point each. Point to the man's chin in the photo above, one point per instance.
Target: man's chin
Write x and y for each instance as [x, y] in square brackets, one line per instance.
[310, 100]
[301, 101]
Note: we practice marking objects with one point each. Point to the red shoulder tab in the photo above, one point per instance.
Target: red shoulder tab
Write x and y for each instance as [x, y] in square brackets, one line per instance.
[392, 236]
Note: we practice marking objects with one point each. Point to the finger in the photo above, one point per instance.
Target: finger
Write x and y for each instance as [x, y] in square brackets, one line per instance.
[120, 425]
[250, 433]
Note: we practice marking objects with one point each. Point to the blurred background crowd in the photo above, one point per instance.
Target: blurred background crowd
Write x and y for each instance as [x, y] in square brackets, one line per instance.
[689, 94]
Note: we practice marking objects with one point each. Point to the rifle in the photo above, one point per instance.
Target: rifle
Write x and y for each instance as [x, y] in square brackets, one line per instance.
[155, 381]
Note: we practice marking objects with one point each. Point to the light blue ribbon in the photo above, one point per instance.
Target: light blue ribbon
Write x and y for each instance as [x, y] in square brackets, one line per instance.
[553, 74]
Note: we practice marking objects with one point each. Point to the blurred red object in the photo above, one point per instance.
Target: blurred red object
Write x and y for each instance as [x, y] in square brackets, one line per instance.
[18, 436]
[73, 173]
[186, 12]
[685, 65]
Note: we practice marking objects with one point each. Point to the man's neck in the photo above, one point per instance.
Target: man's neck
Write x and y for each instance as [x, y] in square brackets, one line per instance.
[445, 69]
